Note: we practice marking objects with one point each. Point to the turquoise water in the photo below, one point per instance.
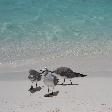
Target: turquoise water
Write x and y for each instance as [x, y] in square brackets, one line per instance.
[38, 28]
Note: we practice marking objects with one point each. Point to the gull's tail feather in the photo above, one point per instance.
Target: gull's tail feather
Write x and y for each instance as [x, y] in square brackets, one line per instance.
[79, 75]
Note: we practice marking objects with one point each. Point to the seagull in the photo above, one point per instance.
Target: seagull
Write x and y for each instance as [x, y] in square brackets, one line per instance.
[50, 80]
[67, 73]
[34, 76]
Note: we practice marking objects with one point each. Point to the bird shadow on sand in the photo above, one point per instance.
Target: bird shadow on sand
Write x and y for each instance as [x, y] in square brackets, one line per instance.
[33, 90]
[51, 94]
[67, 84]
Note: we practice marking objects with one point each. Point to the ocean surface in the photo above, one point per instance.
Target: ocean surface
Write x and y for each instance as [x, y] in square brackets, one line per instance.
[34, 29]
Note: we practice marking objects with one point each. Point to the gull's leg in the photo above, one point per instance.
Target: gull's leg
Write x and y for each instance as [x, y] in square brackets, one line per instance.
[36, 84]
[63, 81]
[52, 90]
[70, 82]
[48, 90]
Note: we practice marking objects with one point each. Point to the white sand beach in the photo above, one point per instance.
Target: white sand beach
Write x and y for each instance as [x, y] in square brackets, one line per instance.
[90, 94]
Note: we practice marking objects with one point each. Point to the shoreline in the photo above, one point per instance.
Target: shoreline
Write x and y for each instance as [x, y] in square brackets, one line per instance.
[93, 66]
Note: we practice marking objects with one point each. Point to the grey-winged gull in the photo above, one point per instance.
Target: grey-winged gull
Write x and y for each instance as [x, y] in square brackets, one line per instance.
[34, 76]
[50, 80]
[67, 73]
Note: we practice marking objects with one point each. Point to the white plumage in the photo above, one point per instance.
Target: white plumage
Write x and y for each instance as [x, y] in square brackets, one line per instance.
[50, 80]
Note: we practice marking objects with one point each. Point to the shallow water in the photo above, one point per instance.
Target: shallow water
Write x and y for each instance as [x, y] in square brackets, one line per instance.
[41, 28]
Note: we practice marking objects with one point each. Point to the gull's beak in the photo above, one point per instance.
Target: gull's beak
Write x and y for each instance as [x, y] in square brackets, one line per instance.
[42, 71]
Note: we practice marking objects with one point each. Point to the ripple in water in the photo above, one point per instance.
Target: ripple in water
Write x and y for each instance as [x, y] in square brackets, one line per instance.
[54, 28]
